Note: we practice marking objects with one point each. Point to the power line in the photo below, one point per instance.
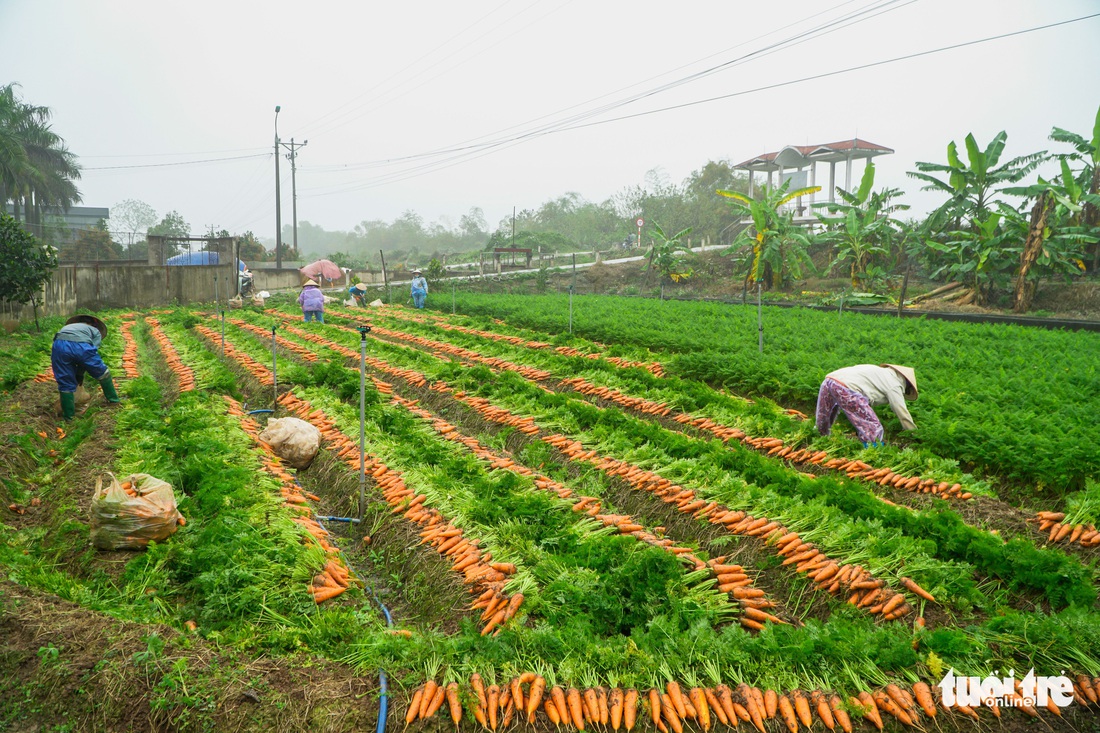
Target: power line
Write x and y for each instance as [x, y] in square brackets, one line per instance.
[488, 148]
[167, 155]
[184, 162]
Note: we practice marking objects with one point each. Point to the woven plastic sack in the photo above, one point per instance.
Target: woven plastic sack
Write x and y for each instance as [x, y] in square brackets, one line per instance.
[82, 398]
[258, 301]
[130, 520]
[293, 440]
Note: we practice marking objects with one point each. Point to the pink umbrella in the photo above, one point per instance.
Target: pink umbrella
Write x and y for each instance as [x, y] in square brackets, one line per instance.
[326, 269]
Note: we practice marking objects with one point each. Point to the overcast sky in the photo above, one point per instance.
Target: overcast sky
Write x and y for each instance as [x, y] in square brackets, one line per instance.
[379, 89]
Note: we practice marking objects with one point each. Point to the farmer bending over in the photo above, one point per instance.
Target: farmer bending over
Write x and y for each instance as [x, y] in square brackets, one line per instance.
[76, 352]
[359, 292]
[856, 389]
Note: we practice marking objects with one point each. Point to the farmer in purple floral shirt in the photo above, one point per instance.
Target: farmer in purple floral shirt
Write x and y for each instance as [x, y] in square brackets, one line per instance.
[857, 389]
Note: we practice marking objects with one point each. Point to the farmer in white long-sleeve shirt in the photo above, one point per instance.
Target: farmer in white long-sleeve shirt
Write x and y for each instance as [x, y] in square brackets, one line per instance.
[857, 389]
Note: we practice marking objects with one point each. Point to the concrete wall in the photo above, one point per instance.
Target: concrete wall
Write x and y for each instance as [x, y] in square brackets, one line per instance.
[133, 286]
[274, 280]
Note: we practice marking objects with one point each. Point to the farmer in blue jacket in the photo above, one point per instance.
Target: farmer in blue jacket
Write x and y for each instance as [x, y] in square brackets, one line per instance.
[419, 289]
[75, 353]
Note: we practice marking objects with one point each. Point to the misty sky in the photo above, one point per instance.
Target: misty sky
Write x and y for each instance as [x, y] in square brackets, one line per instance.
[399, 100]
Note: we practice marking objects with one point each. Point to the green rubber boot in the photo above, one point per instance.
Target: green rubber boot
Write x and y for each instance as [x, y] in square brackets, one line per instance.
[68, 405]
[109, 390]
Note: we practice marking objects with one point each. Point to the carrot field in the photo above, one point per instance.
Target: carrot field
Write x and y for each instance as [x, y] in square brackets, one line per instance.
[631, 526]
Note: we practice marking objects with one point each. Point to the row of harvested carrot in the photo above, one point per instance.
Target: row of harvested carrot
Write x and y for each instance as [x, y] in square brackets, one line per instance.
[485, 578]
[774, 446]
[130, 352]
[807, 559]
[287, 344]
[652, 367]
[260, 372]
[1084, 534]
[184, 374]
[457, 351]
[46, 376]
[528, 697]
[728, 576]
[334, 578]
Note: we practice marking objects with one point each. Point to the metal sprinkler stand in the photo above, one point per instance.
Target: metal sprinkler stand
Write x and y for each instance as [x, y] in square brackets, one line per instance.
[274, 374]
[363, 329]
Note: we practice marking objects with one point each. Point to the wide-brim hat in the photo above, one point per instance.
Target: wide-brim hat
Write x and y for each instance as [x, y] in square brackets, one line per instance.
[91, 321]
[360, 287]
[909, 375]
[416, 271]
[309, 282]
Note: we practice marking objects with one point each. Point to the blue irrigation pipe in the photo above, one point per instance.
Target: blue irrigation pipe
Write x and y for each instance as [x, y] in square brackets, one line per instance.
[383, 681]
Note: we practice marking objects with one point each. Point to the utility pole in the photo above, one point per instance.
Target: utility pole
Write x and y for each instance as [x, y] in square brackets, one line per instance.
[278, 198]
[292, 156]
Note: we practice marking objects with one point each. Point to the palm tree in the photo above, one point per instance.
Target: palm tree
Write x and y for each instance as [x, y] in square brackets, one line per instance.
[37, 170]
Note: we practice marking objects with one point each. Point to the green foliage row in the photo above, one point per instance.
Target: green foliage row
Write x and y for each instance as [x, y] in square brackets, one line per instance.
[1001, 398]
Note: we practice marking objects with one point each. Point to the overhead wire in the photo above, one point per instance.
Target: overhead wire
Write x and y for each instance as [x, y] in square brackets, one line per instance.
[471, 151]
[168, 165]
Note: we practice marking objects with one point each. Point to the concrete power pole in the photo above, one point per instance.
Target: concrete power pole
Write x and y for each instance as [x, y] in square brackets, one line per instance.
[278, 198]
[292, 156]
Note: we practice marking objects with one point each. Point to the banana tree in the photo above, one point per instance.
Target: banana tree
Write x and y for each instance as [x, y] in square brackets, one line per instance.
[1088, 178]
[864, 227]
[779, 246]
[668, 256]
[972, 187]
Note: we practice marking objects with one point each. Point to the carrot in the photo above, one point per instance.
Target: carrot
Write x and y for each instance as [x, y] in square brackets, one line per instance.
[785, 710]
[900, 697]
[673, 689]
[552, 712]
[453, 703]
[630, 708]
[494, 705]
[924, 698]
[725, 698]
[893, 603]
[616, 702]
[601, 706]
[715, 705]
[702, 712]
[885, 703]
[557, 696]
[754, 703]
[671, 714]
[655, 707]
[1087, 688]
[840, 714]
[479, 689]
[436, 701]
[538, 686]
[576, 714]
[591, 706]
[517, 693]
[870, 710]
[910, 584]
[509, 711]
[822, 707]
[414, 706]
[324, 593]
[802, 707]
[771, 703]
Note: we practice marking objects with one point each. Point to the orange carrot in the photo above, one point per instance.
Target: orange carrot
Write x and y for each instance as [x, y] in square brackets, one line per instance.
[552, 712]
[630, 708]
[673, 689]
[923, 693]
[509, 711]
[414, 706]
[517, 693]
[616, 702]
[655, 707]
[787, 712]
[867, 703]
[557, 696]
[840, 714]
[671, 714]
[591, 706]
[436, 702]
[601, 705]
[822, 708]
[715, 706]
[725, 699]
[771, 703]
[802, 707]
[493, 694]
[535, 697]
[576, 714]
[699, 701]
[453, 703]
[885, 703]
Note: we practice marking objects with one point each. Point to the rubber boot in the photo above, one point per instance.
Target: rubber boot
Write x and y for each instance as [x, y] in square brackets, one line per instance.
[109, 390]
[68, 405]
